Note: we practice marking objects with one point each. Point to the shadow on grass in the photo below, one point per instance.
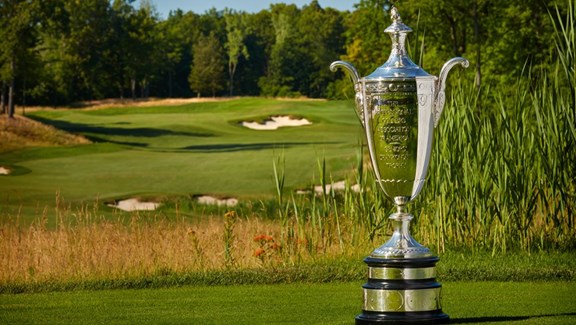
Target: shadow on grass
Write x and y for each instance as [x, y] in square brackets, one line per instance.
[503, 319]
[228, 147]
[122, 143]
[89, 130]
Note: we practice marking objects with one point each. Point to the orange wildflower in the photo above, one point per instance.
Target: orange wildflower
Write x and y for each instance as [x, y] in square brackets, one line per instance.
[263, 238]
[259, 251]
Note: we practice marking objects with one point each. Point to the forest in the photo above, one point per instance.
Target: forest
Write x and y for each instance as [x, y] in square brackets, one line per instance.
[60, 52]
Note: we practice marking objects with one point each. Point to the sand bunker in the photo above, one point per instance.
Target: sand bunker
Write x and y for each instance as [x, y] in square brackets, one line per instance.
[206, 199]
[338, 186]
[4, 170]
[276, 122]
[135, 205]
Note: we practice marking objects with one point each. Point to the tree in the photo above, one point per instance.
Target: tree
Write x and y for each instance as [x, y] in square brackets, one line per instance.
[94, 49]
[367, 47]
[285, 55]
[498, 37]
[18, 38]
[69, 50]
[259, 44]
[236, 32]
[133, 46]
[76, 49]
[207, 73]
[177, 34]
[321, 42]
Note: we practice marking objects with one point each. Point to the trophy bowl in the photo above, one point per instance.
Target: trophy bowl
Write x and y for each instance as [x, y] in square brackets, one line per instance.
[399, 105]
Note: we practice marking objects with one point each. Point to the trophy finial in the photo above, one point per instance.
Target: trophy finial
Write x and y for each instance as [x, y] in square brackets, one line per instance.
[397, 26]
[395, 15]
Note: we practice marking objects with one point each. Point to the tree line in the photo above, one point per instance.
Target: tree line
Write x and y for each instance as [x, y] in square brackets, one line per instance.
[57, 52]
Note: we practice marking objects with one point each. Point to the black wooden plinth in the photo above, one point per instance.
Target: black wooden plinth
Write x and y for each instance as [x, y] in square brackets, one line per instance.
[402, 291]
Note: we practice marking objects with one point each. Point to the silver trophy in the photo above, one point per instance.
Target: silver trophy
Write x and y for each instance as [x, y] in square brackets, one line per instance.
[399, 105]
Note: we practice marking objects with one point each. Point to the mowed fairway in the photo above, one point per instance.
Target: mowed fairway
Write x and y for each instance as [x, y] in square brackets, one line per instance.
[334, 303]
[198, 148]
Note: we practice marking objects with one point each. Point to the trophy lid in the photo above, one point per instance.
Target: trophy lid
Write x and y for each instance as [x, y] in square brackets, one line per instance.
[399, 65]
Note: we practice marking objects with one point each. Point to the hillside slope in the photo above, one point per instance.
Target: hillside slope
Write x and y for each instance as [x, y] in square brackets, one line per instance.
[21, 132]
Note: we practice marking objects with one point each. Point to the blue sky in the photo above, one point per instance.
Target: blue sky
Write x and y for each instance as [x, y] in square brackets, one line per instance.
[201, 6]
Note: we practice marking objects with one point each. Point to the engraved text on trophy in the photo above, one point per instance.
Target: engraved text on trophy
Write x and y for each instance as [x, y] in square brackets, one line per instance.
[395, 131]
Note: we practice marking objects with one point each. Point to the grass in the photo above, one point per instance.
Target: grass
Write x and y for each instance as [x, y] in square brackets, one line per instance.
[332, 303]
[175, 151]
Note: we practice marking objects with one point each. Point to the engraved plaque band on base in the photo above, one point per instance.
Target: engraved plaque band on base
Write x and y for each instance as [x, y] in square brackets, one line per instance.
[387, 300]
[397, 273]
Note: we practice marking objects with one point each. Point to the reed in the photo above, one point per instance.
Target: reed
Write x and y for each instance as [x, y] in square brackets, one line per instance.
[502, 174]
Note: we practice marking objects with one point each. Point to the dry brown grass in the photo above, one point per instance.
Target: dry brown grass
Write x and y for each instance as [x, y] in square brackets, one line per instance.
[104, 250]
[22, 132]
[117, 102]
[83, 247]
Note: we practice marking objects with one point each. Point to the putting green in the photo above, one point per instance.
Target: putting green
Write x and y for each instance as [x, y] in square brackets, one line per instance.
[334, 303]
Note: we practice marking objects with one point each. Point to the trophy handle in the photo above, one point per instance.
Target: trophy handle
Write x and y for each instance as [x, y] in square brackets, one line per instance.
[355, 79]
[441, 86]
[348, 67]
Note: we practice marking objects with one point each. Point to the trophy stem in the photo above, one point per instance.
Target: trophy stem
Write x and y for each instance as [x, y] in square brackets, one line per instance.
[401, 244]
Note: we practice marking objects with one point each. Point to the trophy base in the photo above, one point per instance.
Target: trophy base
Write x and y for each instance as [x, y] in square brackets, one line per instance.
[402, 291]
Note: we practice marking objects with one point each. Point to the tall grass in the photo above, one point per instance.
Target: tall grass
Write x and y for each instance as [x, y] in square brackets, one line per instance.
[503, 176]
[87, 247]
